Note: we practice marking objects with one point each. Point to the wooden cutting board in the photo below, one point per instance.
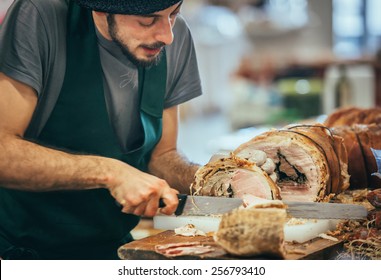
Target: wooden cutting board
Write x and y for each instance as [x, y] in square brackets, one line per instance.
[318, 248]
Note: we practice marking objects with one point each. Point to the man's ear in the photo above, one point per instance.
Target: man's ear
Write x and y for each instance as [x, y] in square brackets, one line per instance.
[100, 21]
[100, 14]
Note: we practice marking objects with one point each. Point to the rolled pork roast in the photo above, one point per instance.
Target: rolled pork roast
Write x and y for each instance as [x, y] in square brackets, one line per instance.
[307, 163]
[298, 163]
[361, 130]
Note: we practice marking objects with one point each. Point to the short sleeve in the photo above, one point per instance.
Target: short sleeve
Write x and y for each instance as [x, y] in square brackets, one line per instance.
[183, 80]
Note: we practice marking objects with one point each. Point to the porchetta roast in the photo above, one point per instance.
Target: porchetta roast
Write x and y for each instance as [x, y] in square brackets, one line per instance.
[299, 163]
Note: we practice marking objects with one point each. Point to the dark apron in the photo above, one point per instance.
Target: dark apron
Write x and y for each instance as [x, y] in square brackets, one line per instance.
[84, 224]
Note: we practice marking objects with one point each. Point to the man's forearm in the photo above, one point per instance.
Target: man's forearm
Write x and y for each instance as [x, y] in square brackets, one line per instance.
[28, 166]
[175, 168]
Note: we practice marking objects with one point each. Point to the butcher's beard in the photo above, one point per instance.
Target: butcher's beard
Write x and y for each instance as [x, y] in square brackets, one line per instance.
[112, 29]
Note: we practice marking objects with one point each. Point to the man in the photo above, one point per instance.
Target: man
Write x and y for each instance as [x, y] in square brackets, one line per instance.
[89, 95]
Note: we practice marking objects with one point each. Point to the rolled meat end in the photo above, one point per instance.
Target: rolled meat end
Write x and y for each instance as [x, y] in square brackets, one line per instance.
[233, 177]
[310, 162]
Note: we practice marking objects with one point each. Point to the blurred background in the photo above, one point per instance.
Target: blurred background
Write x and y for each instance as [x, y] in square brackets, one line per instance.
[269, 63]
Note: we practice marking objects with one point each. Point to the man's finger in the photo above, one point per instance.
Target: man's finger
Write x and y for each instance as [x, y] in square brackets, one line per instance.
[140, 209]
[171, 201]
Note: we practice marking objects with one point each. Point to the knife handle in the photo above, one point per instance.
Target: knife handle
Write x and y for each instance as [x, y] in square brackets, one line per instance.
[180, 207]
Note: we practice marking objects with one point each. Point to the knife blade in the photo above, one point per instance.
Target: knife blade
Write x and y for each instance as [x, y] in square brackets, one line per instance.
[204, 205]
[320, 210]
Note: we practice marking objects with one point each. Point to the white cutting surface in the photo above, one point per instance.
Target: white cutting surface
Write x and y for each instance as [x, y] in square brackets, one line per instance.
[307, 230]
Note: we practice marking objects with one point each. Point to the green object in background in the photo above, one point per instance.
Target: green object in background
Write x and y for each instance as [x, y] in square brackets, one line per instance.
[301, 95]
[283, 117]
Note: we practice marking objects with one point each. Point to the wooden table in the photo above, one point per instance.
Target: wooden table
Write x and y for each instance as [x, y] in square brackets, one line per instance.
[144, 249]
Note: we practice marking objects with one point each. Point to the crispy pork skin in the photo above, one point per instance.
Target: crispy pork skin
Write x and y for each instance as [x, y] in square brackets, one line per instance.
[354, 115]
[361, 130]
[358, 140]
[311, 163]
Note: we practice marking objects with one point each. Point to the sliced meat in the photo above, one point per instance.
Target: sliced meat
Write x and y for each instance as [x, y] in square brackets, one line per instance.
[183, 248]
[233, 177]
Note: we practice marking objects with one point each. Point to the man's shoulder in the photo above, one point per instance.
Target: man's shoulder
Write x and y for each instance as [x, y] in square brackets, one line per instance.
[182, 35]
[181, 25]
[51, 7]
[50, 3]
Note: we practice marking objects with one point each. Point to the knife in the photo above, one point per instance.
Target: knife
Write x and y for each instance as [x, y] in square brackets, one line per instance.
[211, 205]
[320, 210]
[191, 205]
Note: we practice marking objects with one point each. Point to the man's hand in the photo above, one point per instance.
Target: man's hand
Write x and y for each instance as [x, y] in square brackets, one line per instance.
[139, 193]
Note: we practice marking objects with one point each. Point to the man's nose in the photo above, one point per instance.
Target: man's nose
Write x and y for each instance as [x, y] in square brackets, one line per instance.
[164, 32]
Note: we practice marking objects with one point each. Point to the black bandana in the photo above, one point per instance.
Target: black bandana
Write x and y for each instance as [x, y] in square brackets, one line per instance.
[127, 7]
